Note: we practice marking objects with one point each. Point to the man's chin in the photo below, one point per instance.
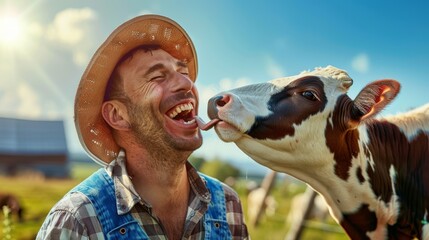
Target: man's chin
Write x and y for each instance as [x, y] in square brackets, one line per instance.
[189, 144]
[188, 138]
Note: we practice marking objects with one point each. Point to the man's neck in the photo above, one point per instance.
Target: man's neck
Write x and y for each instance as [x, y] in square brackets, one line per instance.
[157, 178]
[164, 186]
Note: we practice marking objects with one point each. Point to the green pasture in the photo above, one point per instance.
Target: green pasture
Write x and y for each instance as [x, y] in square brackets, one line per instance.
[39, 195]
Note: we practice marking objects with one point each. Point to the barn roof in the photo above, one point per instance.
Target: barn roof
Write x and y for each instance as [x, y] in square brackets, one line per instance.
[19, 136]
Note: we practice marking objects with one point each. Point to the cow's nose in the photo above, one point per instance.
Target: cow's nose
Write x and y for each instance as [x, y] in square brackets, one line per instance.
[215, 103]
[221, 101]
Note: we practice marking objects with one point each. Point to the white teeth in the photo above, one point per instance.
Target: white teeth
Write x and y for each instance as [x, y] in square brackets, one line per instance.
[190, 122]
[181, 108]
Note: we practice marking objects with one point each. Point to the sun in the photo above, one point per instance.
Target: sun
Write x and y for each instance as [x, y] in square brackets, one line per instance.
[10, 29]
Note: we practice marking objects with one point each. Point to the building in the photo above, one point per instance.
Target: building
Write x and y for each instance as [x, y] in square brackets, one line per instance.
[29, 145]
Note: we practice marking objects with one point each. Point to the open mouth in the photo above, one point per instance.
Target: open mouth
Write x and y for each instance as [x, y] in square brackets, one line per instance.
[182, 113]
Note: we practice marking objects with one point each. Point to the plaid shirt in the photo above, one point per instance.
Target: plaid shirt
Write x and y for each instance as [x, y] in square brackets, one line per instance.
[74, 217]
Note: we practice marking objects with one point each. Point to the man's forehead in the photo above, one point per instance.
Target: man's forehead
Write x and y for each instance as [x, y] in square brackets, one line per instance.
[142, 60]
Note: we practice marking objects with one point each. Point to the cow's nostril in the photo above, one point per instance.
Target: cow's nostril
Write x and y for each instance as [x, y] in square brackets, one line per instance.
[216, 103]
[222, 101]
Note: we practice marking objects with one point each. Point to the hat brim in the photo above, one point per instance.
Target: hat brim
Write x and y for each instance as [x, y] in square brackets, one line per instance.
[94, 133]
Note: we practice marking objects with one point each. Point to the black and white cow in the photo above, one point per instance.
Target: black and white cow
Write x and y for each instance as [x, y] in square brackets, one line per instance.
[373, 173]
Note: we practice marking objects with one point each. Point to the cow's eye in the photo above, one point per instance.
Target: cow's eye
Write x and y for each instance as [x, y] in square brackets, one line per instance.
[309, 95]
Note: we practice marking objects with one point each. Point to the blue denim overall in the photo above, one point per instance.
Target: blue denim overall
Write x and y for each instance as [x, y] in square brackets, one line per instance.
[99, 188]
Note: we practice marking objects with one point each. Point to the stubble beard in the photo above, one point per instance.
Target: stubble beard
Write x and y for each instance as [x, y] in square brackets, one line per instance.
[166, 150]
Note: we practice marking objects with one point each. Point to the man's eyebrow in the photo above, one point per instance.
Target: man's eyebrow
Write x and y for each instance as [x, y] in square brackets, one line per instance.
[154, 68]
[181, 64]
[161, 66]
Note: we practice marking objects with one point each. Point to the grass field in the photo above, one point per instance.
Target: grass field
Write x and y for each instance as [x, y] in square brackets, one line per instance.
[38, 196]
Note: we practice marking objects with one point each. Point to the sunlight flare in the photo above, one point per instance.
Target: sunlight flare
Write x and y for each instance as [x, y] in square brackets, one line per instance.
[10, 29]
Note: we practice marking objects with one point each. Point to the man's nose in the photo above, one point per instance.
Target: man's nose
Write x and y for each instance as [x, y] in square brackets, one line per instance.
[182, 82]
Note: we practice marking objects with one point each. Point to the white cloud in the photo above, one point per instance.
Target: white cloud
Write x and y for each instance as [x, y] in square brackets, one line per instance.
[35, 29]
[226, 83]
[24, 101]
[69, 26]
[360, 63]
[145, 12]
[81, 57]
[70, 29]
[274, 69]
[29, 102]
[7, 99]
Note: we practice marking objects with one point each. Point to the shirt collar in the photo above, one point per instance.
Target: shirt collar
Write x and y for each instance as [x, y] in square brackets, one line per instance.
[126, 195]
[198, 184]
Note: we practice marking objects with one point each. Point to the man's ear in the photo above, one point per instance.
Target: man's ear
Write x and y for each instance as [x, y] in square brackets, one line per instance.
[373, 98]
[116, 115]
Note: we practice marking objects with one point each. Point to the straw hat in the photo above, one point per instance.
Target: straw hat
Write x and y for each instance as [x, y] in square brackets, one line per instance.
[94, 133]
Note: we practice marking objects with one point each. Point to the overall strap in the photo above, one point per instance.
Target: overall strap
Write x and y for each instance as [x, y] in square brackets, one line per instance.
[215, 223]
[99, 188]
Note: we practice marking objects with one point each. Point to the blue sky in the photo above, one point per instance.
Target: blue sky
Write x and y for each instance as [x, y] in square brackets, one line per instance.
[238, 42]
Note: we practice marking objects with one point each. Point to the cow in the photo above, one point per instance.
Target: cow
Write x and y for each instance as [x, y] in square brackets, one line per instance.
[319, 210]
[12, 202]
[372, 172]
[254, 198]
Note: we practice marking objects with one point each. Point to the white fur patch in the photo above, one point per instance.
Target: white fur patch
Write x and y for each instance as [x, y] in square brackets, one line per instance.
[393, 206]
[425, 234]
[412, 122]
[387, 213]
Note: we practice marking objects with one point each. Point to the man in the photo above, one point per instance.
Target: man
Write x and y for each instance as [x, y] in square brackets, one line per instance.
[134, 112]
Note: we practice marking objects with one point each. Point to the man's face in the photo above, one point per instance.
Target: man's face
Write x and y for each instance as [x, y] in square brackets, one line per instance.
[163, 101]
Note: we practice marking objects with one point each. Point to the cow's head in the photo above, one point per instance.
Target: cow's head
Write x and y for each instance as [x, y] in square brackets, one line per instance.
[292, 121]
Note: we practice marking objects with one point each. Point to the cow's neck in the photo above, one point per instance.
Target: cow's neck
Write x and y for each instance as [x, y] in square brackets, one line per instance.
[355, 172]
[400, 167]
[363, 190]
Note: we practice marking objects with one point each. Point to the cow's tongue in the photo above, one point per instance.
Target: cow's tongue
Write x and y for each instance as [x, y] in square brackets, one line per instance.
[206, 126]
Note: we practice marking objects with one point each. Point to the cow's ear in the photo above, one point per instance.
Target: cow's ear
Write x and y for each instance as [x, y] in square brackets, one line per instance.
[373, 98]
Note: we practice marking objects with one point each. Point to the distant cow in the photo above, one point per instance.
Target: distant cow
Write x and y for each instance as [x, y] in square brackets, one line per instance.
[374, 174]
[254, 198]
[319, 210]
[12, 203]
